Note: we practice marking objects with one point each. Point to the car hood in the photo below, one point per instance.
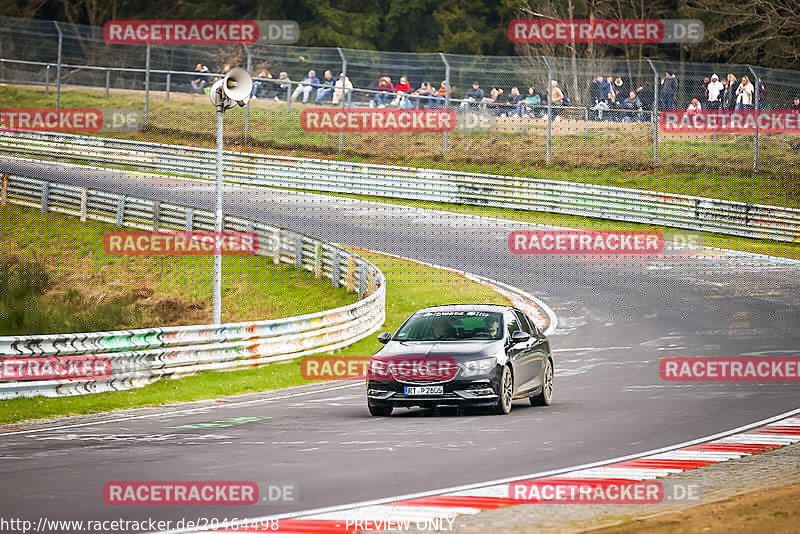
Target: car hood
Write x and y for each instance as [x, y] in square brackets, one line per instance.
[460, 351]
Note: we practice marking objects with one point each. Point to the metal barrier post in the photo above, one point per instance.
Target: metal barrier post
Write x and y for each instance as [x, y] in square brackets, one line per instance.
[288, 97]
[45, 195]
[247, 105]
[156, 214]
[362, 281]
[147, 83]
[120, 211]
[757, 84]
[446, 100]
[549, 109]
[654, 114]
[318, 261]
[58, 67]
[586, 122]
[336, 269]
[84, 203]
[108, 81]
[169, 79]
[47, 80]
[298, 252]
[4, 190]
[189, 219]
[344, 95]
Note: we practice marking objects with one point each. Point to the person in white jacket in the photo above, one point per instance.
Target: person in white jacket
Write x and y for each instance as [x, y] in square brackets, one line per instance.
[715, 89]
[342, 88]
[744, 94]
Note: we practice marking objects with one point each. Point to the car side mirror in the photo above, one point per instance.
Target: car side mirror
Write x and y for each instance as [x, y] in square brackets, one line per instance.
[520, 337]
[385, 337]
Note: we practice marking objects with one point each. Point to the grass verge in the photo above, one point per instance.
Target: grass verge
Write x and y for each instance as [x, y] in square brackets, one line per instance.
[410, 286]
[89, 290]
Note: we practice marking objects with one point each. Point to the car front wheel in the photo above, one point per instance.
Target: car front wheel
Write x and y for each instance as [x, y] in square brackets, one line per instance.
[506, 392]
[545, 398]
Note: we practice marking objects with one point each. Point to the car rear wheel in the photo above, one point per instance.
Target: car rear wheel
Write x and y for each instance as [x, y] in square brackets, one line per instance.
[545, 398]
[380, 411]
[506, 392]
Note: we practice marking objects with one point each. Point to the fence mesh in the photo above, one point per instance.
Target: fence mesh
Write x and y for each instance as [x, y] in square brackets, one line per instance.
[599, 124]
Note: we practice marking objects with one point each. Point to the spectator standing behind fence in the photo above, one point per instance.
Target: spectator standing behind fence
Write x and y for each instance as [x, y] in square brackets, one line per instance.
[474, 95]
[795, 104]
[597, 96]
[342, 88]
[702, 96]
[729, 94]
[307, 85]
[327, 87]
[199, 80]
[744, 94]
[442, 94]
[669, 88]
[715, 89]
[695, 105]
[557, 98]
[620, 91]
[762, 92]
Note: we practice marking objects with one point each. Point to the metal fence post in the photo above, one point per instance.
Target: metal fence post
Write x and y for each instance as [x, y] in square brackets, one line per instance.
[446, 101]
[288, 96]
[247, 106]
[654, 114]
[344, 95]
[147, 83]
[108, 81]
[58, 65]
[549, 109]
[757, 84]
[169, 79]
[189, 219]
[47, 80]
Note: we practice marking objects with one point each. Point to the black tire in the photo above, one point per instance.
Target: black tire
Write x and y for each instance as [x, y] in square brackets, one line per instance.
[506, 392]
[545, 398]
[380, 411]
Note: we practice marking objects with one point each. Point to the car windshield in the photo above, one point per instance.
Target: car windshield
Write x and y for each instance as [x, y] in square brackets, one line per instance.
[452, 326]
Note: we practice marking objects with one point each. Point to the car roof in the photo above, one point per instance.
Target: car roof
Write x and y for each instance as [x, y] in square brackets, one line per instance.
[468, 307]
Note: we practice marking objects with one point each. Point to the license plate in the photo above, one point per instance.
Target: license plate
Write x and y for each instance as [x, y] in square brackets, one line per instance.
[424, 390]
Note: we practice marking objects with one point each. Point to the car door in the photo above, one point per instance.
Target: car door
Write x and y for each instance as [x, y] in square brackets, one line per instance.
[537, 350]
[518, 353]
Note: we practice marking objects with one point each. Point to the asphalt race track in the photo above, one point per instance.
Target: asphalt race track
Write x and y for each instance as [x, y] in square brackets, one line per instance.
[616, 319]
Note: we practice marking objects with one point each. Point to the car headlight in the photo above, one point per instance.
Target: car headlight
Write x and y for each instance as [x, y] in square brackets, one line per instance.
[480, 366]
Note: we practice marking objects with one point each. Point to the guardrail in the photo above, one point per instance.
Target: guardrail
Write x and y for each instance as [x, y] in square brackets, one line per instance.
[141, 356]
[605, 202]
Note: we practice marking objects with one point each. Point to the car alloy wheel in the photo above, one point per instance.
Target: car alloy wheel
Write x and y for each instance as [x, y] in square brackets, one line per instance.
[545, 398]
[506, 392]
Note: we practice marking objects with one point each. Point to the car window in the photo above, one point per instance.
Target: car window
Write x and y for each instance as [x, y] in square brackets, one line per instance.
[523, 323]
[447, 325]
[512, 323]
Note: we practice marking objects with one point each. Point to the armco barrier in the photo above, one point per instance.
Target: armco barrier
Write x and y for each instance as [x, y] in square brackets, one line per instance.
[615, 203]
[141, 356]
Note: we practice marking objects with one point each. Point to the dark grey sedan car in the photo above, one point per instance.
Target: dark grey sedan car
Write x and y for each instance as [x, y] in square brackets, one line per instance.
[463, 355]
